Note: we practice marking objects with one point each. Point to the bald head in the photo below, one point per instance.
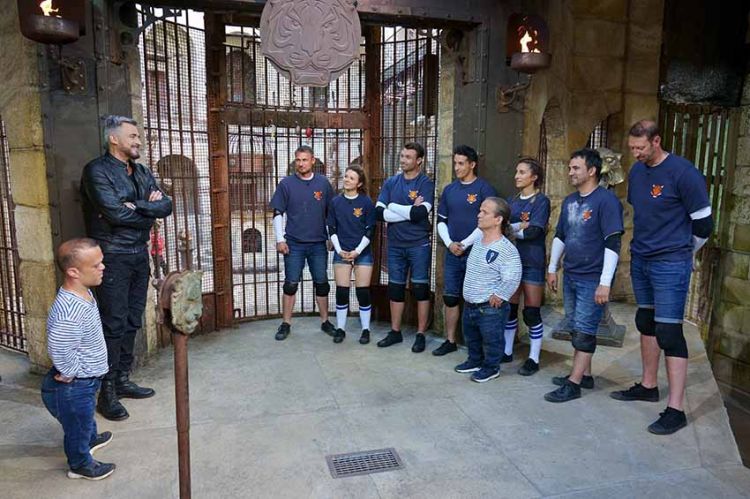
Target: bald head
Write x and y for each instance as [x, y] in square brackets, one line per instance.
[69, 253]
[645, 128]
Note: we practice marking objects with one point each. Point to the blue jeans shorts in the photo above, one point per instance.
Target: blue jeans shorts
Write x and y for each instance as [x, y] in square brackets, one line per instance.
[582, 314]
[416, 258]
[661, 285]
[454, 271]
[533, 275]
[316, 255]
[365, 258]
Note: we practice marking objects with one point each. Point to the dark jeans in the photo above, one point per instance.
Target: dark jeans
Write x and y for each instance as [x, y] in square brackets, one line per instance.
[122, 299]
[72, 404]
[483, 328]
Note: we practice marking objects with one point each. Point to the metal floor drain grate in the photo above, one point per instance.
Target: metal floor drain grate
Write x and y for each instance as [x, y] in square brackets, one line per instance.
[364, 463]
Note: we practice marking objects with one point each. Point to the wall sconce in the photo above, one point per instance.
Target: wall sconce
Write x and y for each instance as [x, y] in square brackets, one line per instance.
[50, 21]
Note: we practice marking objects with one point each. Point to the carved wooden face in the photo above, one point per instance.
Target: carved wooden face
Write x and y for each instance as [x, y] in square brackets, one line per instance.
[187, 301]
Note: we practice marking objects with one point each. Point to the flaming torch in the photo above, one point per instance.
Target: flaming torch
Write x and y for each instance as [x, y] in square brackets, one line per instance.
[530, 34]
[48, 22]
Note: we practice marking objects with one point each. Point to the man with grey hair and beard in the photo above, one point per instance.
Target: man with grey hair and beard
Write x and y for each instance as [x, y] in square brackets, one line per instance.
[121, 202]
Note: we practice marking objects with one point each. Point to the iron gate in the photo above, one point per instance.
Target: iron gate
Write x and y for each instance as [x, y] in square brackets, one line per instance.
[11, 300]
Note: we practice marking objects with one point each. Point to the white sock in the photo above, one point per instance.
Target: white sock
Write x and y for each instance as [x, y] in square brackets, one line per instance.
[510, 335]
[364, 316]
[341, 312]
[536, 333]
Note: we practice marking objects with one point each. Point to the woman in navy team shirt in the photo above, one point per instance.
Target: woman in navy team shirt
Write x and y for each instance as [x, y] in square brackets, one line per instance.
[529, 218]
[351, 222]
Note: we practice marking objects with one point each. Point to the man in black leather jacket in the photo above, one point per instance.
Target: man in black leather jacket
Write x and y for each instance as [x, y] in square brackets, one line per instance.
[121, 201]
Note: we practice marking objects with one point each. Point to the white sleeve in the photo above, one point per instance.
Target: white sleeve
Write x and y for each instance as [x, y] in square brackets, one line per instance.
[400, 210]
[336, 244]
[475, 236]
[698, 242]
[610, 265]
[362, 245]
[557, 250]
[442, 229]
[278, 228]
[391, 216]
[516, 227]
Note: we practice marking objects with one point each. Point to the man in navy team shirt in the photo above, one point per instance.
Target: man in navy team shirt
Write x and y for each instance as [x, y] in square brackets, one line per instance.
[589, 232]
[671, 222]
[304, 198]
[457, 226]
[404, 203]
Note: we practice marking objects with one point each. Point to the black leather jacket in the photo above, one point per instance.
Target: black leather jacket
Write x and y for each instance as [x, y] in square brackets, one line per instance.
[105, 188]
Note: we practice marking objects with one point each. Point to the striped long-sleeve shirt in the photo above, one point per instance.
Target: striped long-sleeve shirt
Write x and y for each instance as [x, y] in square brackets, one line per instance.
[75, 341]
[492, 269]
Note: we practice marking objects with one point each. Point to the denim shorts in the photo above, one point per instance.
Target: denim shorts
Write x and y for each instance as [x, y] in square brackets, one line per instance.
[316, 255]
[416, 258]
[454, 272]
[582, 314]
[365, 258]
[662, 285]
[533, 275]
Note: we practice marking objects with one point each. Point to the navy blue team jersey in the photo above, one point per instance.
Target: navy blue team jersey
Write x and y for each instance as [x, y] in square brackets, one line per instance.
[585, 222]
[663, 197]
[534, 210]
[459, 206]
[352, 218]
[305, 203]
[397, 189]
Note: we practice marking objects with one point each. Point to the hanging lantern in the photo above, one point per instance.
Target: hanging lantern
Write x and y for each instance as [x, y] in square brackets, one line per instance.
[527, 43]
[52, 21]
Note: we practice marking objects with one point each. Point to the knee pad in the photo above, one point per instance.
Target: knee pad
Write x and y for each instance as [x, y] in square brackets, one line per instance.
[396, 292]
[421, 291]
[342, 295]
[451, 301]
[644, 321]
[290, 288]
[513, 315]
[322, 288]
[583, 342]
[363, 297]
[671, 339]
[532, 316]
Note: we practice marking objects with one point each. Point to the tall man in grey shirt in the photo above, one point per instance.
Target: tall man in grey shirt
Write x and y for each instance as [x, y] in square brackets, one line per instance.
[75, 343]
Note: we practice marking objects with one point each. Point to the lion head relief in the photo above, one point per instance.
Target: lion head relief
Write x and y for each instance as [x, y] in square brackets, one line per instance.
[611, 167]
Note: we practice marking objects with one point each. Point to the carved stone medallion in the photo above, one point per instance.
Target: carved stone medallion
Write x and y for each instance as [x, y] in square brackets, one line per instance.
[311, 42]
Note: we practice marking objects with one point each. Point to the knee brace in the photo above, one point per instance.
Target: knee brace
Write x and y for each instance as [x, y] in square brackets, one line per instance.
[290, 288]
[396, 292]
[451, 301]
[342, 295]
[532, 316]
[421, 291]
[322, 288]
[363, 297]
[644, 321]
[583, 342]
[513, 315]
[671, 339]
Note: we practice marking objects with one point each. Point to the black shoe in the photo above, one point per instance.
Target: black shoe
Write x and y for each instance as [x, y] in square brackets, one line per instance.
[586, 382]
[637, 392]
[392, 338]
[418, 346]
[485, 374]
[467, 367]
[283, 331]
[365, 338]
[669, 422]
[127, 389]
[109, 405]
[339, 336]
[568, 391]
[101, 440]
[446, 347]
[506, 358]
[328, 328]
[94, 471]
[528, 368]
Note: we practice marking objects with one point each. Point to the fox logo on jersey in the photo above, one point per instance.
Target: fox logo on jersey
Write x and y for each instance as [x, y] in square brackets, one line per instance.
[525, 215]
[358, 212]
[471, 198]
[587, 215]
[413, 195]
[656, 190]
[318, 195]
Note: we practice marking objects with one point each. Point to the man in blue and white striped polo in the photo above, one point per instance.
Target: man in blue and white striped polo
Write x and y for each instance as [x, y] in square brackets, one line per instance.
[75, 343]
[493, 273]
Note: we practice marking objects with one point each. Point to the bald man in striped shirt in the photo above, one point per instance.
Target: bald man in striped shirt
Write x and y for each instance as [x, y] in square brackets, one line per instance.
[75, 343]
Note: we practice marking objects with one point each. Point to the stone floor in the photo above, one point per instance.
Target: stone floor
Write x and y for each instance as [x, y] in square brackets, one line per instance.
[265, 414]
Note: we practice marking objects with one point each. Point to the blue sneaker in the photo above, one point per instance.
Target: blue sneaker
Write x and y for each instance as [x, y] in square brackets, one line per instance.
[467, 367]
[485, 374]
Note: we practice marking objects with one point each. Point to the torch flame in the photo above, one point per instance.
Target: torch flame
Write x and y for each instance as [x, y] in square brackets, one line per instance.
[46, 7]
[526, 39]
